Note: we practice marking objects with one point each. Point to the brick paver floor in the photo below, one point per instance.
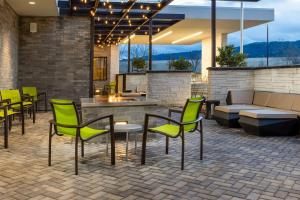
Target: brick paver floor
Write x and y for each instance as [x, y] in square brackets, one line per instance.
[235, 166]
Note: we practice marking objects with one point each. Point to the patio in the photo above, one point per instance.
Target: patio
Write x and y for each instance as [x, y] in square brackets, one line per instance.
[235, 166]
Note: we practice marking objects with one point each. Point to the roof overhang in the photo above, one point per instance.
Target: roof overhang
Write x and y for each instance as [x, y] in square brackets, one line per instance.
[198, 19]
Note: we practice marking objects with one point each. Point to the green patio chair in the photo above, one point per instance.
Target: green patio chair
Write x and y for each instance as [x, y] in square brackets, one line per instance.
[66, 121]
[17, 104]
[189, 122]
[15, 98]
[4, 120]
[33, 92]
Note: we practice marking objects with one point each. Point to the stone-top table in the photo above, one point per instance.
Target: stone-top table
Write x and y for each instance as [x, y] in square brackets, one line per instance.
[124, 109]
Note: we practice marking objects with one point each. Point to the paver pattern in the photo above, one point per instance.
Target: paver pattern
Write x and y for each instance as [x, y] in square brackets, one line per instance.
[235, 166]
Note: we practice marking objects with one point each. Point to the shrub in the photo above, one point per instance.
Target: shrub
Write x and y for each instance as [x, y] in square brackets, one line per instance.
[229, 58]
[138, 64]
[181, 64]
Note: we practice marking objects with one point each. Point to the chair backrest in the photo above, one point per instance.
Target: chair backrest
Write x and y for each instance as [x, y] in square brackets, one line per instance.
[31, 91]
[191, 112]
[13, 95]
[64, 112]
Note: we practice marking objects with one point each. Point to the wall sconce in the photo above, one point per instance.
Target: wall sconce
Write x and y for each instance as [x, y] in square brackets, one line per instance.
[33, 27]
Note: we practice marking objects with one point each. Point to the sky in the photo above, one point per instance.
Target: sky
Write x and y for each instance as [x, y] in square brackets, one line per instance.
[286, 26]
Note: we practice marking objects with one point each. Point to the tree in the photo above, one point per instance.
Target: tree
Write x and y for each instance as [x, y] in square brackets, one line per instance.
[195, 60]
[181, 64]
[138, 64]
[229, 58]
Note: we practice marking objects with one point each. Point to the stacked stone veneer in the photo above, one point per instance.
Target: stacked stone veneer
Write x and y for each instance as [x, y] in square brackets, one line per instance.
[136, 82]
[8, 46]
[282, 79]
[56, 59]
[171, 88]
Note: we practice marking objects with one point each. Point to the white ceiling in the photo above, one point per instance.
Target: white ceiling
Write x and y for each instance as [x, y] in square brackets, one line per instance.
[41, 7]
[191, 26]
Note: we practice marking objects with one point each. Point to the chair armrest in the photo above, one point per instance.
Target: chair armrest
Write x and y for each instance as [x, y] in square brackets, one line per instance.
[63, 125]
[193, 122]
[173, 110]
[110, 117]
[6, 101]
[27, 97]
[41, 93]
[162, 117]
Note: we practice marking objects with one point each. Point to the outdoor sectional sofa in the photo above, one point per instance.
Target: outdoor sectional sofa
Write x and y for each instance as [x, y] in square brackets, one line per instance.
[259, 112]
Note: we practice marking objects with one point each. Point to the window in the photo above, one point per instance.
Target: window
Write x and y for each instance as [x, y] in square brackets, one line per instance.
[100, 69]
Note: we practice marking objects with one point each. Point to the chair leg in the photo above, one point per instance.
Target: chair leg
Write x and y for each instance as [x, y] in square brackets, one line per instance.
[112, 140]
[112, 146]
[144, 141]
[6, 134]
[50, 144]
[82, 148]
[33, 113]
[182, 153]
[46, 106]
[76, 154]
[23, 121]
[167, 145]
[201, 141]
[10, 122]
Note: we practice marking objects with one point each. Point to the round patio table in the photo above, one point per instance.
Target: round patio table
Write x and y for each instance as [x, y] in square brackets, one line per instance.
[127, 128]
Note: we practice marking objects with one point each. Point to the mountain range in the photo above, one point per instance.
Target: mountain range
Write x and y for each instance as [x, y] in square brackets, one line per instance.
[252, 50]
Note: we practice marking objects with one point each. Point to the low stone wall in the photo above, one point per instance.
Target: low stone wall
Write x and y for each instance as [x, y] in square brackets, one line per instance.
[137, 81]
[199, 89]
[171, 88]
[284, 79]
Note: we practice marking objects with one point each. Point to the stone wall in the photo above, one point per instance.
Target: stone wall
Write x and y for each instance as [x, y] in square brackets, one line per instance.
[220, 81]
[171, 88]
[56, 59]
[136, 82]
[8, 47]
[199, 89]
[286, 80]
[274, 79]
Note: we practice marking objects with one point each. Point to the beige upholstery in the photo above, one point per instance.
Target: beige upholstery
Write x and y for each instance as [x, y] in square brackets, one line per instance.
[296, 104]
[237, 108]
[281, 101]
[241, 96]
[268, 114]
[261, 98]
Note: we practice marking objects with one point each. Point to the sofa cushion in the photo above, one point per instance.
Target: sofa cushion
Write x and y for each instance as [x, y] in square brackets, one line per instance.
[296, 104]
[240, 97]
[261, 98]
[237, 108]
[281, 101]
[268, 114]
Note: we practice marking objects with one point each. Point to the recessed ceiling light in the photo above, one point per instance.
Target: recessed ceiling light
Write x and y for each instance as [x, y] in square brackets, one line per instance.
[31, 2]
[187, 37]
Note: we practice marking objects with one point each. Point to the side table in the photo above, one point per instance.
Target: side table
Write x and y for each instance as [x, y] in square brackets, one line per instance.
[209, 104]
[127, 128]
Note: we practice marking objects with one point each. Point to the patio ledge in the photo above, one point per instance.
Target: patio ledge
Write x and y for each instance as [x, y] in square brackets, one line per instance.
[250, 68]
[173, 71]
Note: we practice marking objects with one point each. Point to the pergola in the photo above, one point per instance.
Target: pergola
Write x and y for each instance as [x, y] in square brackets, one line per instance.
[114, 21]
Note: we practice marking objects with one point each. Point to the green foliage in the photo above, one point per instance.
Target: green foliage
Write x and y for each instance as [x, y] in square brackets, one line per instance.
[229, 58]
[181, 64]
[139, 64]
